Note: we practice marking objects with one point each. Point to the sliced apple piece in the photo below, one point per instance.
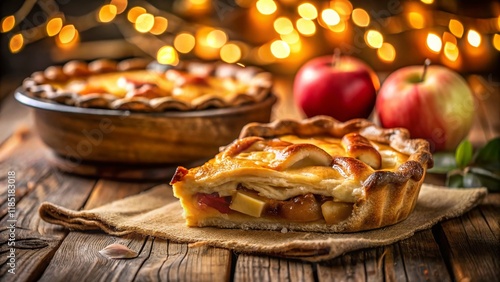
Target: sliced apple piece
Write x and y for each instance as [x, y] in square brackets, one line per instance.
[357, 146]
[248, 203]
[335, 212]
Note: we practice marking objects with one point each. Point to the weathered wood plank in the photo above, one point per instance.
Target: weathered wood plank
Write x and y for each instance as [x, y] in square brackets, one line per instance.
[365, 265]
[38, 241]
[169, 261]
[470, 245]
[259, 268]
[80, 250]
[22, 155]
[422, 258]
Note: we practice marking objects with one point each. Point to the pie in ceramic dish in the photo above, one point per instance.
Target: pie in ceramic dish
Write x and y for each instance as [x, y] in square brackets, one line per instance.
[139, 85]
[317, 175]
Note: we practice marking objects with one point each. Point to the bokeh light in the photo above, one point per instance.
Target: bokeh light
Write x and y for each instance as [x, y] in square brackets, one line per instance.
[416, 20]
[67, 34]
[107, 13]
[434, 42]
[307, 11]
[16, 43]
[360, 17]
[216, 38]
[474, 38]
[386, 52]
[291, 37]
[330, 17]
[134, 13]
[159, 26]
[374, 38]
[54, 26]
[280, 49]
[266, 7]
[456, 28]
[283, 25]
[121, 5]
[167, 55]
[144, 22]
[451, 51]
[8, 23]
[184, 42]
[230, 53]
[306, 27]
[496, 41]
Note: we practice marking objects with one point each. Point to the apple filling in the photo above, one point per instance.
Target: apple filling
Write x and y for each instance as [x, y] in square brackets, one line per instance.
[301, 208]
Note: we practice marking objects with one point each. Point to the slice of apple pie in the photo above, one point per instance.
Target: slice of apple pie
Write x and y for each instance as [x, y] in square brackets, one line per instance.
[312, 175]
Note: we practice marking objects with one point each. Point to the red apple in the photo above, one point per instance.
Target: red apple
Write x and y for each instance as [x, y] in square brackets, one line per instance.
[342, 87]
[436, 104]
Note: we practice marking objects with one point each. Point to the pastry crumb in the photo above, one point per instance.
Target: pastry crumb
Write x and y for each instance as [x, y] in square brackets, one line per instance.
[284, 230]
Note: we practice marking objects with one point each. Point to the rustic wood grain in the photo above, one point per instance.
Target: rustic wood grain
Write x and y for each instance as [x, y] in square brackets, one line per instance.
[470, 246]
[71, 192]
[422, 259]
[259, 268]
[169, 261]
[82, 248]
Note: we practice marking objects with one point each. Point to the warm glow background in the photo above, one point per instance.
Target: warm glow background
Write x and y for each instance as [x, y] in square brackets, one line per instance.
[279, 35]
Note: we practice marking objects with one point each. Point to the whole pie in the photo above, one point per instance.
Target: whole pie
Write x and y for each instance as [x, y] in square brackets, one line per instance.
[139, 85]
[312, 175]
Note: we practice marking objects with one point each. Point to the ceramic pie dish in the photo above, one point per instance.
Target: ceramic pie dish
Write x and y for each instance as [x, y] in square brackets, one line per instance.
[91, 129]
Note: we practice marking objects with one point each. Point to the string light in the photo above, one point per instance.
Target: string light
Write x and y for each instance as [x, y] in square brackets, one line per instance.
[496, 41]
[216, 38]
[160, 26]
[330, 17]
[184, 42]
[134, 13]
[54, 26]
[230, 53]
[360, 17]
[307, 11]
[451, 51]
[167, 55]
[416, 20]
[456, 28]
[266, 7]
[16, 43]
[8, 23]
[386, 52]
[374, 39]
[144, 22]
[306, 27]
[107, 13]
[280, 49]
[121, 5]
[474, 38]
[434, 42]
[212, 43]
[283, 25]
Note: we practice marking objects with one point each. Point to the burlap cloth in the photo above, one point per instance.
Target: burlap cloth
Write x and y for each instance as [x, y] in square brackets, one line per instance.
[157, 213]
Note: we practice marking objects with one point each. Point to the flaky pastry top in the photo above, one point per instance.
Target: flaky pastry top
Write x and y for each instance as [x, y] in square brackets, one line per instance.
[140, 85]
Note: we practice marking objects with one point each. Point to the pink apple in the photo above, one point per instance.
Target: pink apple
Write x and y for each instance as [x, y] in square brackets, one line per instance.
[439, 108]
[343, 89]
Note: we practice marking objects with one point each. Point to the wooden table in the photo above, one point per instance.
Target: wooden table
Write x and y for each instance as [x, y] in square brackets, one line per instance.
[461, 249]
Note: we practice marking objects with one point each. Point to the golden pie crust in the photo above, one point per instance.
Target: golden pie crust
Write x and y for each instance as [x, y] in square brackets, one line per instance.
[374, 174]
[140, 85]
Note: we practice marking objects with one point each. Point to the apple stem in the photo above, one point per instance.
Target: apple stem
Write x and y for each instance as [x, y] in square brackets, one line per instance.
[427, 62]
[336, 57]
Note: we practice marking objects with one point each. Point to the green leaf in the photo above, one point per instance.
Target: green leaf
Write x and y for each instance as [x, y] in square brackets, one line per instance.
[443, 162]
[463, 155]
[455, 179]
[489, 155]
[488, 179]
[471, 180]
